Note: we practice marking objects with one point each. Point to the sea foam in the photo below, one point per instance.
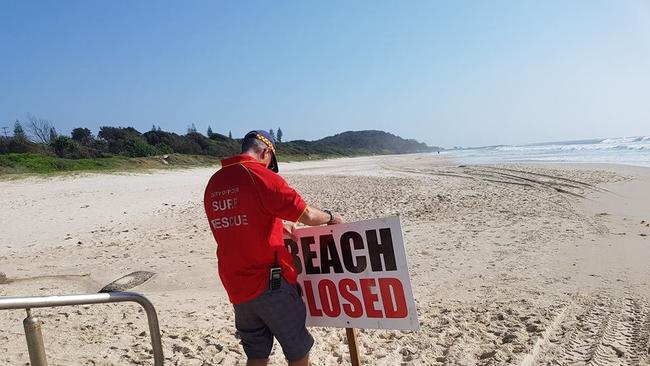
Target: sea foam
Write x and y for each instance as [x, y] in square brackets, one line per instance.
[634, 150]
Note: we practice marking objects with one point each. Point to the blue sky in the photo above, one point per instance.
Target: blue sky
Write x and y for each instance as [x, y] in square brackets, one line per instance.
[446, 73]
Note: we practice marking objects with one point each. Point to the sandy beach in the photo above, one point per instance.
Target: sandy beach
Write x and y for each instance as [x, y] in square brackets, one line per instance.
[510, 264]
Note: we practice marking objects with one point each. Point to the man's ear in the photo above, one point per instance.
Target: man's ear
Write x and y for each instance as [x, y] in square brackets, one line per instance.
[266, 153]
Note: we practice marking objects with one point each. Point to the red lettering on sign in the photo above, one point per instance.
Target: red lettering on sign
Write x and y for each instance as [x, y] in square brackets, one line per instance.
[392, 289]
[369, 298]
[354, 308]
[352, 298]
[309, 294]
[329, 298]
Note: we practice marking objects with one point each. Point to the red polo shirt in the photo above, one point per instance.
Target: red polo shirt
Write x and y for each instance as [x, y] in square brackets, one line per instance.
[245, 203]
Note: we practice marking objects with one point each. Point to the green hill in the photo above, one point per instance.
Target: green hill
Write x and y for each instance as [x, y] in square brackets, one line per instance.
[375, 142]
[368, 142]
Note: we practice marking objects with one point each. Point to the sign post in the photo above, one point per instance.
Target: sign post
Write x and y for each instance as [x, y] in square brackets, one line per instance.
[351, 334]
[355, 275]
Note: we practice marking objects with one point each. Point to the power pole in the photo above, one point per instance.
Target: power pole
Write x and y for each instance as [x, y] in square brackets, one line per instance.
[4, 129]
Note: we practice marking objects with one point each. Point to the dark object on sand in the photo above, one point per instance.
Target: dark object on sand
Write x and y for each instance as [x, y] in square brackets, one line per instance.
[3, 278]
[129, 281]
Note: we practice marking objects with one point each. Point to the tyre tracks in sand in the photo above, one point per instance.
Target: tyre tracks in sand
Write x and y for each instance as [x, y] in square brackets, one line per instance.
[596, 331]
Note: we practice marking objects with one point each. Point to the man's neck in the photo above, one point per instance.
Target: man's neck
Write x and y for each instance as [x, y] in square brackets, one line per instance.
[252, 154]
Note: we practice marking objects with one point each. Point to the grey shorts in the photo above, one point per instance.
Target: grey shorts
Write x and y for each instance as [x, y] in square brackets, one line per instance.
[279, 313]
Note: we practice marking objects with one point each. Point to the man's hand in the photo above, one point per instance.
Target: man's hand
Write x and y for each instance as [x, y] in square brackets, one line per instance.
[289, 228]
[337, 219]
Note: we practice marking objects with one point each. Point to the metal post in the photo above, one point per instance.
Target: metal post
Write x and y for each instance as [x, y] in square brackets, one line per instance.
[351, 334]
[34, 338]
[7, 303]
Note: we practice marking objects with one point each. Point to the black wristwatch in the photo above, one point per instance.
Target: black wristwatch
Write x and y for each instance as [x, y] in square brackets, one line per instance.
[329, 212]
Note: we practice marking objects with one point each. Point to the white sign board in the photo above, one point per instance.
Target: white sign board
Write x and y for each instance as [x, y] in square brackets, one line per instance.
[355, 275]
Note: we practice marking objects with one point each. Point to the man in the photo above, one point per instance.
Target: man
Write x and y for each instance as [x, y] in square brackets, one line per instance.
[246, 201]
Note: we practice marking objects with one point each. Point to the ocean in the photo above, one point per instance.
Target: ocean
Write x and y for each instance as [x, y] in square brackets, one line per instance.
[622, 150]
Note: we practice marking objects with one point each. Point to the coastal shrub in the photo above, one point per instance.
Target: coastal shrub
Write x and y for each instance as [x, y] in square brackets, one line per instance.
[83, 136]
[20, 145]
[67, 148]
[118, 139]
[164, 148]
[193, 143]
[221, 145]
[169, 142]
[159, 138]
[138, 147]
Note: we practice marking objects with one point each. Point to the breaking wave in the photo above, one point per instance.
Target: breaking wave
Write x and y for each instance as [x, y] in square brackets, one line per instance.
[634, 150]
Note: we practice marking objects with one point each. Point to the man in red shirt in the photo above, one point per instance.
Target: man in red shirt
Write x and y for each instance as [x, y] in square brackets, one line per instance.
[246, 202]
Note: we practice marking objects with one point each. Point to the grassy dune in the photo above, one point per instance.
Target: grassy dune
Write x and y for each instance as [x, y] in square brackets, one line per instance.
[20, 164]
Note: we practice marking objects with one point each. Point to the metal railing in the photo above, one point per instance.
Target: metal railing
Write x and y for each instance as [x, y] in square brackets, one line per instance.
[32, 325]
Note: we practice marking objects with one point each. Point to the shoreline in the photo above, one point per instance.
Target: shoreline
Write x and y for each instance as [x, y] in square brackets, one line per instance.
[506, 266]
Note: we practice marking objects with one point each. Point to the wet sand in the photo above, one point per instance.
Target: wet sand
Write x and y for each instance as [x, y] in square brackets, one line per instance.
[510, 265]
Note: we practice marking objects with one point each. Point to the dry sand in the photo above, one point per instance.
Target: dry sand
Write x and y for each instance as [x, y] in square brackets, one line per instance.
[510, 265]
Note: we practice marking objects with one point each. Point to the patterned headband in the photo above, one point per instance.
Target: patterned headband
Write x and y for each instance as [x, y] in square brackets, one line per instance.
[266, 141]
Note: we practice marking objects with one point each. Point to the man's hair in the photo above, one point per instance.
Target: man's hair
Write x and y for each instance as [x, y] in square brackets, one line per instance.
[252, 144]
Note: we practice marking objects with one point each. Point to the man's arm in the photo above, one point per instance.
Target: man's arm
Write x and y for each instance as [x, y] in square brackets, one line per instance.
[314, 217]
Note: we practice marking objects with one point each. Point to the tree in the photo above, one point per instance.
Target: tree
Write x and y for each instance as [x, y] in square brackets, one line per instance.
[117, 138]
[159, 129]
[279, 134]
[65, 147]
[229, 134]
[53, 134]
[138, 147]
[272, 133]
[209, 132]
[19, 133]
[82, 136]
[191, 129]
[41, 129]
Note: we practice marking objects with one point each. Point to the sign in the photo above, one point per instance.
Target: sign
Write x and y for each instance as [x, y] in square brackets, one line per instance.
[355, 275]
